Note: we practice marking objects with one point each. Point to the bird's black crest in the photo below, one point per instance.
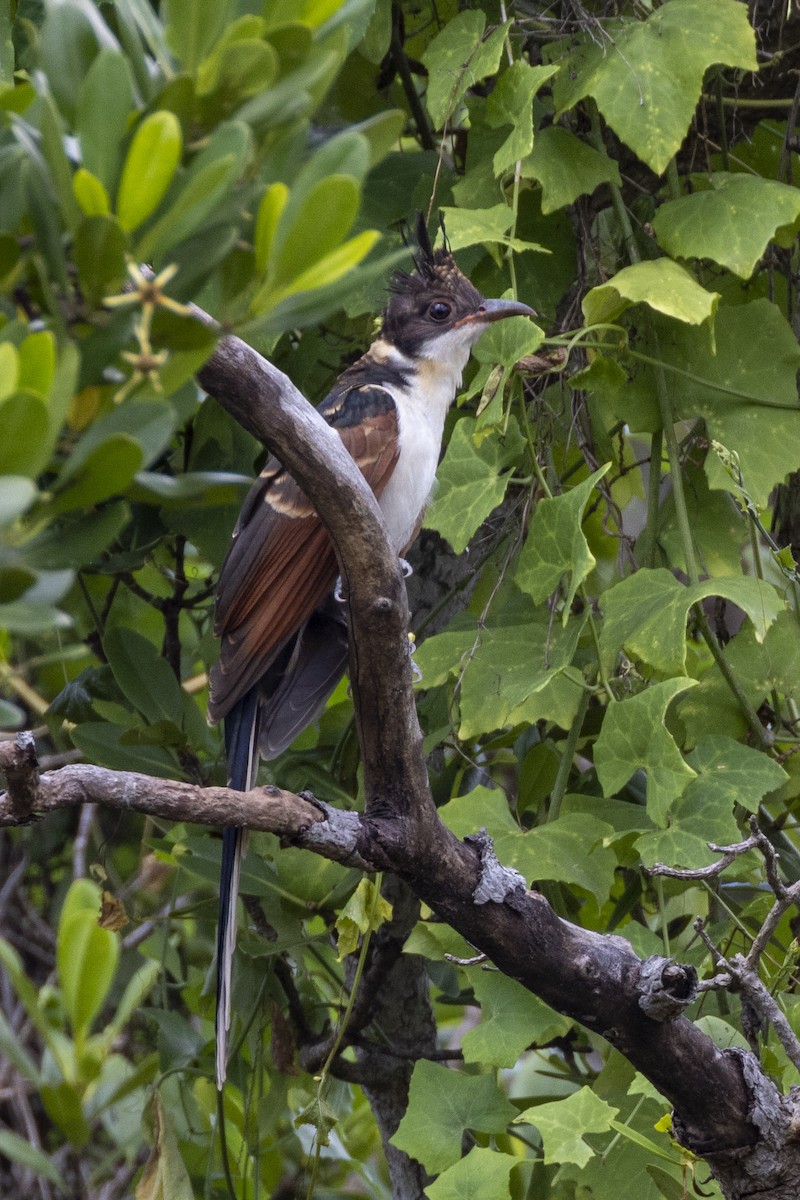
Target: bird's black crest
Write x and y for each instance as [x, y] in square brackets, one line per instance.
[427, 261]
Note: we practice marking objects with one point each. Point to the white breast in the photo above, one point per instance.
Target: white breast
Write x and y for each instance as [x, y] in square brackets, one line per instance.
[421, 409]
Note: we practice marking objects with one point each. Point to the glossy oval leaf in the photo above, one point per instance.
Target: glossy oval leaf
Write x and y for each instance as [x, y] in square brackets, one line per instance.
[105, 110]
[272, 205]
[86, 956]
[99, 251]
[321, 223]
[90, 193]
[106, 472]
[149, 168]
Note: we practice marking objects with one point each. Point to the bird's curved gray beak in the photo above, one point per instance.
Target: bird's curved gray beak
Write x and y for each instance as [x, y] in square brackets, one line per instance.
[497, 310]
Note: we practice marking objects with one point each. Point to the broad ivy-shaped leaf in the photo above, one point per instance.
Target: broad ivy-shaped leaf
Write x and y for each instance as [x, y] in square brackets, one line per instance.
[556, 546]
[511, 671]
[728, 773]
[731, 223]
[460, 1102]
[514, 659]
[737, 774]
[563, 1124]
[572, 850]
[566, 168]
[645, 614]
[512, 1018]
[647, 76]
[760, 668]
[511, 103]
[472, 481]
[482, 1175]
[660, 284]
[459, 57]
[634, 737]
[476, 226]
[736, 389]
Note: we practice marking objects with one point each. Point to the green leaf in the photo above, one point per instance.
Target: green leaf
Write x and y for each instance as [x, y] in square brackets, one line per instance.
[633, 737]
[567, 168]
[460, 1102]
[732, 223]
[760, 668]
[86, 955]
[556, 546]
[105, 108]
[358, 916]
[659, 283]
[150, 423]
[105, 472]
[62, 1103]
[195, 489]
[25, 445]
[194, 27]
[570, 850]
[37, 362]
[272, 205]
[727, 774]
[476, 226]
[197, 199]
[646, 614]
[511, 1020]
[332, 267]
[92, 197]
[150, 165]
[471, 482]
[725, 389]
[99, 249]
[164, 1176]
[29, 618]
[101, 743]
[458, 58]
[563, 1124]
[320, 224]
[144, 676]
[482, 1174]
[511, 103]
[21, 1150]
[77, 541]
[9, 370]
[647, 76]
[17, 494]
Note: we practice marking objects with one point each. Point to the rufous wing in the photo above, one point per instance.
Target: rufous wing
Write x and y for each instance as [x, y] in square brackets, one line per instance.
[281, 565]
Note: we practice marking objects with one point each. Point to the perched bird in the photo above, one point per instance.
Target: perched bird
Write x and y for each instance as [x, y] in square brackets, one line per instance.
[283, 631]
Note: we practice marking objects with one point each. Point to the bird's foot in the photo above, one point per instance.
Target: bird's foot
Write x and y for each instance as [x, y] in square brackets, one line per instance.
[338, 591]
[406, 567]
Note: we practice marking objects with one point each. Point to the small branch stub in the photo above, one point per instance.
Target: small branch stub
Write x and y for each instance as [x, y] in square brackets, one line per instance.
[19, 765]
[667, 988]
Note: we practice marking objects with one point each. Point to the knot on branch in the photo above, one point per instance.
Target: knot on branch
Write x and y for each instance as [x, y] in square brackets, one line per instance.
[20, 766]
[338, 836]
[667, 988]
[496, 883]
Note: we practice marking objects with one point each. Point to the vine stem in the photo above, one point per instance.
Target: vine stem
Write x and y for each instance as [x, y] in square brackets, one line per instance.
[322, 1078]
[567, 755]
[763, 736]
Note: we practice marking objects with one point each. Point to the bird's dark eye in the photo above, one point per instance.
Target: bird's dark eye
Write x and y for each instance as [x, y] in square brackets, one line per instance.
[439, 311]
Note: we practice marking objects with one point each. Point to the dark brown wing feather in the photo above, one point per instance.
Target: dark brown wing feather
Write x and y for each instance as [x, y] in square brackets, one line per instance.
[281, 565]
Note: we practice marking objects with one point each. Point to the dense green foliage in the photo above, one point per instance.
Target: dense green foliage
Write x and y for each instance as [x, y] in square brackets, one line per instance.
[619, 685]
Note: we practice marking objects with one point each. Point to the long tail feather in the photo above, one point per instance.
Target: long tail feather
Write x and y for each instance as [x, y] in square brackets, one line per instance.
[241, 743]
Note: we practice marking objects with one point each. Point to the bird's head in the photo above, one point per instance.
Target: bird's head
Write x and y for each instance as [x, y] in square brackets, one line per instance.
[434, 311]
